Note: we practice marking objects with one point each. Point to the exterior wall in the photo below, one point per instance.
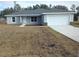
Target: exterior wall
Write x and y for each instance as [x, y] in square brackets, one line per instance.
[45, 18]
[17, 20]
[53, 19]
[40, 20]
[9, 20]
[71, 17]
[23, 20]
[26, 20]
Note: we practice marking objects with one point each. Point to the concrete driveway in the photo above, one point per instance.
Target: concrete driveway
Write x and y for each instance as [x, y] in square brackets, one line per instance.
[68, 30]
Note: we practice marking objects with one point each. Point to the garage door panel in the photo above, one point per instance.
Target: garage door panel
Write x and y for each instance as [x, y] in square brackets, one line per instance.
[57, 19]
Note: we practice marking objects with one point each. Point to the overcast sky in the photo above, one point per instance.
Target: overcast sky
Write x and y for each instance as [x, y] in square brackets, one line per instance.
[6, 4]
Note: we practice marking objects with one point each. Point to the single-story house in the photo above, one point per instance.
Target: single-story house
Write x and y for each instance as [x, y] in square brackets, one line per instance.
[41, 16]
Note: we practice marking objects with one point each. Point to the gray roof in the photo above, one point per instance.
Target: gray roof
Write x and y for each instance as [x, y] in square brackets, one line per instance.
[37, 12]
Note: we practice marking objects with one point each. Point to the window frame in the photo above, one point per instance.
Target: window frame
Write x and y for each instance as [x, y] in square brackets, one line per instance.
[33, 19]
[13, 19]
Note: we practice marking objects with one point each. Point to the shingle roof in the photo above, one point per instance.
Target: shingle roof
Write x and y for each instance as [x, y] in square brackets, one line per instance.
[37, 11]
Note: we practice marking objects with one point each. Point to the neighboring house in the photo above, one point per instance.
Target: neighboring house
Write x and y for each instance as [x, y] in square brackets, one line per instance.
[41, 16]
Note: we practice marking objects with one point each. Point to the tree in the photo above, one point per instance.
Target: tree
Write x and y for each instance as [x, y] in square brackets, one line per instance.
[6, 11]
[36, 6]
[17, 7]
[73, 7]
[60, 7]
[41, 6]
[50, 6]
[77, 9]
[44, 6]
[29, 8]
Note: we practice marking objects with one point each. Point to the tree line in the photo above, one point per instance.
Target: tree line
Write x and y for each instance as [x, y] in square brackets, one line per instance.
[17, 7]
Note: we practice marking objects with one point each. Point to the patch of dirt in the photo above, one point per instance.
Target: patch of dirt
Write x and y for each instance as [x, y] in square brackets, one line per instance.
[35, 41]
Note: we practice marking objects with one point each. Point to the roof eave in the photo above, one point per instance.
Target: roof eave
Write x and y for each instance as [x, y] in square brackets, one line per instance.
[59, 13]
[43, 14]
[25, 15]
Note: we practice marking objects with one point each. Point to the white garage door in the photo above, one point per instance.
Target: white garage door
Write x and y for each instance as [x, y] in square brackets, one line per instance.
[57, 19]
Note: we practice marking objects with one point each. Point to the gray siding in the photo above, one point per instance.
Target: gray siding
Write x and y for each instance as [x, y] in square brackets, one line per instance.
[24, 20]
[9, 20]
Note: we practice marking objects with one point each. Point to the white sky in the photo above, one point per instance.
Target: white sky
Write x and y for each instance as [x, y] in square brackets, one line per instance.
[9, 3]
[66, 3]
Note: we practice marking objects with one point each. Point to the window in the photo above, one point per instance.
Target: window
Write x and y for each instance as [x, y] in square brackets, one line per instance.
[13, 19]
[33, 19]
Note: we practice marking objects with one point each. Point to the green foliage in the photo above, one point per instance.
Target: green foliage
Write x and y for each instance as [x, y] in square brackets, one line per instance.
[17, 7]
[50, 6]
[6, 11]
[37, 6]
[44, 6]
[60, 7]
[77, 9]
[10, 10]
[73, 7]
[28, 8]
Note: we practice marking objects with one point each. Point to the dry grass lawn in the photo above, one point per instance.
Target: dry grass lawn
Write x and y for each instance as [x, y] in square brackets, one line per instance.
[35, 41]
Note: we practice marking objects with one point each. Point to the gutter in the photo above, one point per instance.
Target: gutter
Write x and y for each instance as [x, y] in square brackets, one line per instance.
[25, 15]
[59, 13]
[50, 13]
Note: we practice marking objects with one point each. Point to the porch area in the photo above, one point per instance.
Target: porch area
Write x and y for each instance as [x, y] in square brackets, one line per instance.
[29, 20]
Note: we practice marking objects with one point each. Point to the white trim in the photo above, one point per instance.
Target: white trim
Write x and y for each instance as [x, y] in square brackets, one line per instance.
[25, 15]
[12, 19]
[21, 20]
[43, 13]
[33, 22]
[59, 13]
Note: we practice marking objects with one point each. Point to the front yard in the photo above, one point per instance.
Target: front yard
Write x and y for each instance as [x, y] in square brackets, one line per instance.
[35, 41]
